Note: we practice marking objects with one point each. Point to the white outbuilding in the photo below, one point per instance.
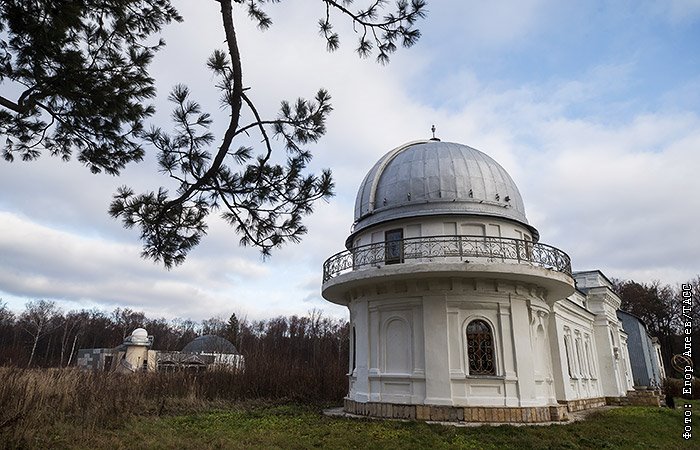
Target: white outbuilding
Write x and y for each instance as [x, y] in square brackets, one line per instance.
[457, 310]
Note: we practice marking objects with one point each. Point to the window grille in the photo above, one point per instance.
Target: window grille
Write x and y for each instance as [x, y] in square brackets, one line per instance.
[480, 348]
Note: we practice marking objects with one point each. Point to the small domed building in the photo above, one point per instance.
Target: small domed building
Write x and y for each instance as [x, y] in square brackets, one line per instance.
[133, 355]
[205, 352]
[457, 310]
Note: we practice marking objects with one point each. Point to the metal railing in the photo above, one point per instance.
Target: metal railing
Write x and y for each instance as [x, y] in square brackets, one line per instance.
[447, 248]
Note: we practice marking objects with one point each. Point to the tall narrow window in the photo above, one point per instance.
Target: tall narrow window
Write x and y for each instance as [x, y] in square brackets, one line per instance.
[568, 347]
[393, 246]
[480, 348]
[591, 366]
[354, 351]
[579, 358]
[569, 360]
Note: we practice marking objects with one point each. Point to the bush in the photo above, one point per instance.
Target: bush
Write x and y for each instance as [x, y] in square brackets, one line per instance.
[674, 387]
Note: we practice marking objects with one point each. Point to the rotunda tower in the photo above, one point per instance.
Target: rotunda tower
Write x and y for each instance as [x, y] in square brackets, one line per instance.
[448, 286]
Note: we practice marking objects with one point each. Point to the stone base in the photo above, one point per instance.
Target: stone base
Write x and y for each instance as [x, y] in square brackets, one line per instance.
[584, 403]
[486, 414]
[638, 398]
[617, 401]
[645, 398]
[497, 414]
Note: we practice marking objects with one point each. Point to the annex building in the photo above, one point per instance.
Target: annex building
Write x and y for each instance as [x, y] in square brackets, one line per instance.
[207, 352]
[458, 310]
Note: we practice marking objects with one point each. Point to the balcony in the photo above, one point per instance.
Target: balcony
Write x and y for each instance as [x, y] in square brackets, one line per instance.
[448, 249]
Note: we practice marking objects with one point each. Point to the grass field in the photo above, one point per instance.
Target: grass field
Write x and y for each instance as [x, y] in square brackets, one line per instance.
[59, 408]
[293, 426]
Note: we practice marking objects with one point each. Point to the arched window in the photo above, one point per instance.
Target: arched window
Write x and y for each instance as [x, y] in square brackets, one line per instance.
[480, 348]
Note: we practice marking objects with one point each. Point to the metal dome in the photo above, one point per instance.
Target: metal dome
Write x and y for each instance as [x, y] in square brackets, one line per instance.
[431, 177]
[210, 343]
[138, 337]
[140, 333]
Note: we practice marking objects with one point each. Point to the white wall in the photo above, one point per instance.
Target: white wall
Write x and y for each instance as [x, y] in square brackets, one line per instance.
[573, 346]
[445, 226]
[411, 344]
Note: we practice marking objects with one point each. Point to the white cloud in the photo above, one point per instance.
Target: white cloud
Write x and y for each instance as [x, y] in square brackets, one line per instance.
[38, 261]
[610, 185]
[622, 196]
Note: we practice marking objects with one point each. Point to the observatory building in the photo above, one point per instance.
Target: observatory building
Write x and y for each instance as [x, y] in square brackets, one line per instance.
[457, 310]
[206, 352]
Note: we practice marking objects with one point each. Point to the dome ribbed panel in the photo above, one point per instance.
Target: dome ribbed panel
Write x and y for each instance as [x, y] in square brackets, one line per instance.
[434, 177]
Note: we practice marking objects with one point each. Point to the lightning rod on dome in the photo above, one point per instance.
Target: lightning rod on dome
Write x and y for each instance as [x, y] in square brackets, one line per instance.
[433, 130]
[445, 203]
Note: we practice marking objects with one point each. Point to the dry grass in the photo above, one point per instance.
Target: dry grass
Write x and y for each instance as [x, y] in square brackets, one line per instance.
[33, 401]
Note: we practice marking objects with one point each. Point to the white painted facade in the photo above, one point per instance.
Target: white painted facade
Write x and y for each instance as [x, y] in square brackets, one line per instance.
[414, 317]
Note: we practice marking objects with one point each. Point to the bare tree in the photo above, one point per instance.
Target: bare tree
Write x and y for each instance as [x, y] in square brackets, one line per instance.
[73, 324]
[215, 326]
[660, 306]
[127, 320]
[7, 319]
[36, 320]
[185, 330]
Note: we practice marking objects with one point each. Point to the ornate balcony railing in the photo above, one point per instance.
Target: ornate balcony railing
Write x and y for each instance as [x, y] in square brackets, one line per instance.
[448, 248]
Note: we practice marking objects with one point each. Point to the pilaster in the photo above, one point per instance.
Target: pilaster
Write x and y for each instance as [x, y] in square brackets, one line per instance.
[437, 376]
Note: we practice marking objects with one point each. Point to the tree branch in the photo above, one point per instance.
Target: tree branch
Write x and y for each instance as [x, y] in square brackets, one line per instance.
[235, 102]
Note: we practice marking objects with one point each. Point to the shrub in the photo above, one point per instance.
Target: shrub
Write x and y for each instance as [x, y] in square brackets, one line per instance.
[674, 387]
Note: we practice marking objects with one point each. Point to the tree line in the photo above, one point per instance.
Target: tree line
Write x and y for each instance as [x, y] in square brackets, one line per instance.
[44, 336]
[661, 308]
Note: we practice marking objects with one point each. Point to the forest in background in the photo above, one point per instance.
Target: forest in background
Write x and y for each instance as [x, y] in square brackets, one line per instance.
[44, 336]
[666, 311]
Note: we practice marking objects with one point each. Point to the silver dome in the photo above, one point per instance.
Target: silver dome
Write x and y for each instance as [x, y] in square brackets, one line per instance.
[434, 178]
[210, 343]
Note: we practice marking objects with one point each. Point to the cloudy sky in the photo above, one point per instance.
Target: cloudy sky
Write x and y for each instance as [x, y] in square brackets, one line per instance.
[592, 107]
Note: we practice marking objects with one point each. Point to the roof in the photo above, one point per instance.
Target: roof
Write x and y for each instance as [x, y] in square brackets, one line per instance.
[210, 343]
[582, 273]
[432, 177]
[634, 316]
[139, 337]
